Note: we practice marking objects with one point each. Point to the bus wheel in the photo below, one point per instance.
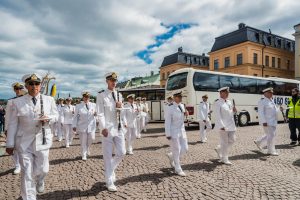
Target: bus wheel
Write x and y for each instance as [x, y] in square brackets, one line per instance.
[243, 119]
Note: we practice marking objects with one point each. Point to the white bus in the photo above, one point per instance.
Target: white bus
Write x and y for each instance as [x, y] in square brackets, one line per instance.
[245, 90]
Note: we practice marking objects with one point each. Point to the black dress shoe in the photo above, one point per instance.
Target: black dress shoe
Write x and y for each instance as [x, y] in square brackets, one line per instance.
[293, 143]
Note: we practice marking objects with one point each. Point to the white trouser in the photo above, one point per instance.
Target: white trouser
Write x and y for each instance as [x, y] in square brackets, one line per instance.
[203, 132]
[268, 138]
[111, 163]
[227, 138]
[59, 127]
[15, 158]
[139, 126]
[86, 140]
[53, 128]
[143, 122]
[68, 133]
[130, 137]
[34, 168]
[179, 146]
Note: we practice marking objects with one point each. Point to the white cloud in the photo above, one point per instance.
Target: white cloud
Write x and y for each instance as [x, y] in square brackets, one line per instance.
[78, 41]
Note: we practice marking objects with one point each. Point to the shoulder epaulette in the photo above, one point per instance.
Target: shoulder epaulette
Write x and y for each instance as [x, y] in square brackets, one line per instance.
[216, 100]
[201, 102]
[101, 91]
[262, 98]
[170, 104]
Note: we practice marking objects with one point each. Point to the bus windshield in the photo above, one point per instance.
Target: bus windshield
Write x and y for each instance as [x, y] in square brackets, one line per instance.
[177, 81]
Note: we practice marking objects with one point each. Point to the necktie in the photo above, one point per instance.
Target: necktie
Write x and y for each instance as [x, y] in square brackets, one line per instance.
[113, 95]
[131, 106]
[34, 100]
[68, 106]
[180, 108]
[87, 107]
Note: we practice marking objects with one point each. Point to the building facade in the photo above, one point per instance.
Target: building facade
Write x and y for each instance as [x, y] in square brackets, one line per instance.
[181, 60]
[249, 51]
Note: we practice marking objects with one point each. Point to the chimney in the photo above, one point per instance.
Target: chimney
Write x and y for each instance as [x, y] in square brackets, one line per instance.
[297, 51]
[180, 49]
[242, 25]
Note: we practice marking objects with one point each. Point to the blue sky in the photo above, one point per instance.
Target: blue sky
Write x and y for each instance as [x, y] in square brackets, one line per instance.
[161, 39]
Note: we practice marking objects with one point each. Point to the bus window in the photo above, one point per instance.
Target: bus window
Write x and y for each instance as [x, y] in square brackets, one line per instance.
[150, 95]
[289, 87]
[177, 81]
[263, 84]
[248, 85]
[142, 94]
[231, 81]
[206, 82]
[160, 95]
[279, 88]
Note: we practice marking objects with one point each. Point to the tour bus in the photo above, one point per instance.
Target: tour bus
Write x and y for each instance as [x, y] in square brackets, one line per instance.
[246, 91]
[155, 99]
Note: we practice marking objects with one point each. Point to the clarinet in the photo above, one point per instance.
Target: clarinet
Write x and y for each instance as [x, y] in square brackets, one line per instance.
[43, 123]
[235, 115]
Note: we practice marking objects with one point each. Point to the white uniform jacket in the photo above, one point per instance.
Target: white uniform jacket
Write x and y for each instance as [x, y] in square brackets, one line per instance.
[224, 115]
[68, 114]
[60, 108]
[107, 112]
[203, 111]
[174, 121]
[8, 112]
[84, 118]
[267, 112]
[131, 114]
[23, 127]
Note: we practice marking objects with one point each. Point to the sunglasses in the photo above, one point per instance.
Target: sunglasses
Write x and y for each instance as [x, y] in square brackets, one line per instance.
[34, 83]
[18, 88]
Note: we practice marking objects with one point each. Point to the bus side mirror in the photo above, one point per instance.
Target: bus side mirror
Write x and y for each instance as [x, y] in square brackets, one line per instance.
[256, 109]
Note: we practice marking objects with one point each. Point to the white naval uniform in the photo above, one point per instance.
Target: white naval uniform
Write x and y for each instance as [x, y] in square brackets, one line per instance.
[131, 118]
[174, 128]
[203, 111]
[225, 119]
[139, 120]
[144, 115]
[25, 135]
[15, 156]
[107, 113]
[85, 123]
[59, 123]
[67, 115]
[267, 113]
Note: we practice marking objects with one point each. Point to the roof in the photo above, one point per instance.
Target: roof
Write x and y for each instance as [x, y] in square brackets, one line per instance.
[247, 33]
[135, 82]
[186, 58]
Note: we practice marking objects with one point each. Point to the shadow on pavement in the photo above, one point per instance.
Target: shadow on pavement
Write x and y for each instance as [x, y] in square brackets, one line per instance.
[155, 178]
[152, 148]
[248, 156]
[10, 171]
[205, 166]
[78, 158]
[153, 136]
[297, 163]
[284, 146]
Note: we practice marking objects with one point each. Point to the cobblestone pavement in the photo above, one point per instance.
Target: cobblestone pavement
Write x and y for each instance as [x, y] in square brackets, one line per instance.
[147, 174]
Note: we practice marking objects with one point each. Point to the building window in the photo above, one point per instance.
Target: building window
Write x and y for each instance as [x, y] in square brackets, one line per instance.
[266, 76]
[226, 62]
[216, 64]
[168, 73]
[239, 59]
[278, 62]
[163, 76]
[254, 74]
[255, 58]
[273, 62]
[288, 63]
[267, 61]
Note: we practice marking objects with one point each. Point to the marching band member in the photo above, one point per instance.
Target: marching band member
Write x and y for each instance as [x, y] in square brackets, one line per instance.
[139, 117]
[131, 118]
[203, 116]
[29, 133]
[67, 115]
[145, 114]
[112, 124]
[175, 132]
[59, 123]
[84, 123]
[225, 124]
[18, 87]
[267, 116]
